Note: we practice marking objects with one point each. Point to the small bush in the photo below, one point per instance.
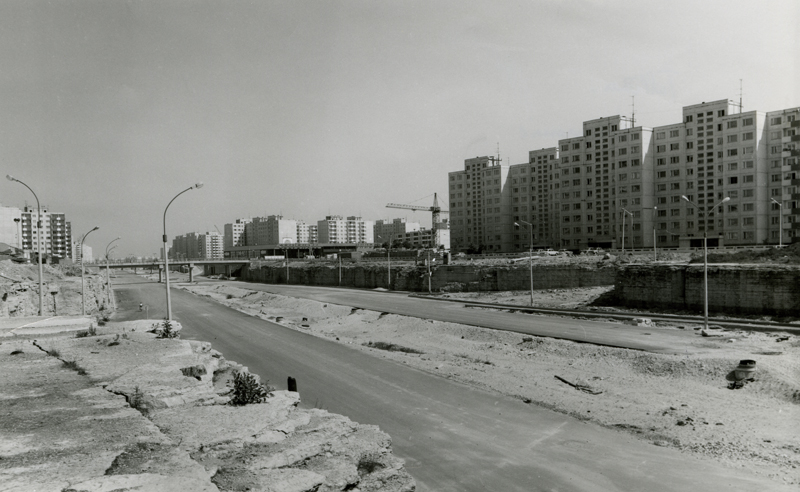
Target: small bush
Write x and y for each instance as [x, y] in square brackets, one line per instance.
[72, 364]
[247, 389]
[168, 331]
[16, 352]
[229, 296]
[92, 331]
[391, 347]
[53, 353]
[136, 399]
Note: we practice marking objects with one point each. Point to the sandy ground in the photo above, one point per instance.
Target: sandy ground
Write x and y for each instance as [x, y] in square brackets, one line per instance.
[681, 401]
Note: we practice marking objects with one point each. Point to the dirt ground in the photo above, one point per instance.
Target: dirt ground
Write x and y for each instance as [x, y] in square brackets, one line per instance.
[680, 401]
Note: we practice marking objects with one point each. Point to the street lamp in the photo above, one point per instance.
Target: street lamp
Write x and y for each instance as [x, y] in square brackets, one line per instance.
[108, 269]
[655, 250]
[780, 222]
[705, 255]
[41, 232]
[164, 238]
[624, 211]
[530, 253]
[83, 276]
[388, 262]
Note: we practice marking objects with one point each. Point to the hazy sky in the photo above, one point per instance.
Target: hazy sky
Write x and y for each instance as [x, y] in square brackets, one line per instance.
[108, 109]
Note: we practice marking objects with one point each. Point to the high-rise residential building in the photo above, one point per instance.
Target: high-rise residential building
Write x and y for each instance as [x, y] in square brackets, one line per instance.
[307, 233]
[385, 229]
[18, 228]
[337, 229]
[235, 234]
[79, 253]
[618, 180]
[273, 229]
[211, 245]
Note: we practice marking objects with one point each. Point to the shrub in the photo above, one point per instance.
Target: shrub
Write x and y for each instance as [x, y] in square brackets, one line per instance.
[53, 352]
[92, 331]
[72, 364]
[391, 347]
[168, 331]
[16, 352]
[136, 399]
[247, 389]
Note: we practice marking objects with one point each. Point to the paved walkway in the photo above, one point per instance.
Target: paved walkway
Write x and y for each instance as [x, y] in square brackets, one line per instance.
[43, 325]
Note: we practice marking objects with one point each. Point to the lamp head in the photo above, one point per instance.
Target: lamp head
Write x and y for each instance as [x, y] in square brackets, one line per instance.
[684, 197]
[727, 199]
[199, 184]
[10, 177]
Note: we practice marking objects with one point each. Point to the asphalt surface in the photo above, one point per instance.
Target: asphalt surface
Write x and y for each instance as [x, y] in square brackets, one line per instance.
[452, 436]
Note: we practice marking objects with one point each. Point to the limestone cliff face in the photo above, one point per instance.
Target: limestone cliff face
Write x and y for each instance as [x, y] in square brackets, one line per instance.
[19, 297]
[465, 278]
[732, 289]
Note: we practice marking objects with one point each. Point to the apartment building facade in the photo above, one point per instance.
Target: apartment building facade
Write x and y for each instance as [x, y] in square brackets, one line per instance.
[383, 230]
[337, 229]
[235, 233]
[18, 228]
[273, 229]
[620, 184]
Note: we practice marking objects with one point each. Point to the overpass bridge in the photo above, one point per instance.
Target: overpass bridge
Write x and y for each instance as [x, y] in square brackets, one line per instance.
[158, 266]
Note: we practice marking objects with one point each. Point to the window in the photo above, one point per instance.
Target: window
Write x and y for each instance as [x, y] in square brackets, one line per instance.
[662, 174]
[748, 193]
[775, 121]
[674, 133]
[721, 112]
[661, 161]
[747, 136]
[661, 135]
[747, 122]
[675, 160]
[733, 152]
[661, 148]
[674, 146]
[733, 180]
[634, 162]
[733, 208]
[689, 118]
[732, 124]
[661, 187]
[733, 138]
[747, 178]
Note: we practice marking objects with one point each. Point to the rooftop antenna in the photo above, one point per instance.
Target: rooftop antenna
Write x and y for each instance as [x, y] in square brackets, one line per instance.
[740, 97]
[633, 111]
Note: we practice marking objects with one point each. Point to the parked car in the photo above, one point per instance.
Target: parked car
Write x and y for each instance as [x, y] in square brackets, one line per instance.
[551, 252]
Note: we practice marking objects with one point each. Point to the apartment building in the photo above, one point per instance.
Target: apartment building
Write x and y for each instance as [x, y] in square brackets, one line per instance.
[620, 184]
[211, 245]
[385, 229]
[307, 233]
[235, 233]
[273, 229]
[18, 228]
[423, 238]
[337, 229]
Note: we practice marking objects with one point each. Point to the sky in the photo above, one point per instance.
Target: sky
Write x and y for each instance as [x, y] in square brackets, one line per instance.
[109, 109]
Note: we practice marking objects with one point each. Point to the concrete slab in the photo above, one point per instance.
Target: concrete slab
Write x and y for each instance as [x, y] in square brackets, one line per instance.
[43, 325]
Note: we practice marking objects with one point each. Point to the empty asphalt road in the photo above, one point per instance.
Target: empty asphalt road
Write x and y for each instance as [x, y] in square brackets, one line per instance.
[452, 436]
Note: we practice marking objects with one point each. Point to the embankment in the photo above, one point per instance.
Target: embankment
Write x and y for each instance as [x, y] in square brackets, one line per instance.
[732, 288]
[445, 278]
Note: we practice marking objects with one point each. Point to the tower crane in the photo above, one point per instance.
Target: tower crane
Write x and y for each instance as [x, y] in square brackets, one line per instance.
[435, 210]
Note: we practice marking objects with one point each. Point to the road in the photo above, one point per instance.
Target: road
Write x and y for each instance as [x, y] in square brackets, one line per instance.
[580, 330]
[452, 436]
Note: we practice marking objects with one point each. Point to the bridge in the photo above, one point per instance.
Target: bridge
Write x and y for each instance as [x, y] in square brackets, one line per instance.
[173, 264]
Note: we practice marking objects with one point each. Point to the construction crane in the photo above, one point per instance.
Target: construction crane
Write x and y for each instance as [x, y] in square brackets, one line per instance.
[435, 211]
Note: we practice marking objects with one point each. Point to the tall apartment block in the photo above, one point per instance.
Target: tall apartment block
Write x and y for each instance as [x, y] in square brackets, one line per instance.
[307, 233]
[273, 229]
[22, 233]
[622, 182]
[385, 229]
[234, 233]
[337, 229]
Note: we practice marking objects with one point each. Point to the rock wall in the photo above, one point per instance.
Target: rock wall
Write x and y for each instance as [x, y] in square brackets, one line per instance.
[732, 289]
[462, 278]
[61, 298]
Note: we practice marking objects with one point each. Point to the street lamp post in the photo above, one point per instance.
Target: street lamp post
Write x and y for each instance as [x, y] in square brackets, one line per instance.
[655, 251]
[388, 262]
[705, 255]
[624, 211]
[40, 233]
[530, 253]
[164, 239]
[83, 274]
[780, 222]
[108, 269]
